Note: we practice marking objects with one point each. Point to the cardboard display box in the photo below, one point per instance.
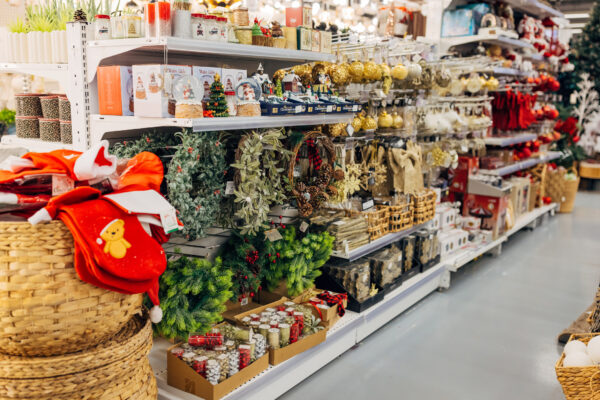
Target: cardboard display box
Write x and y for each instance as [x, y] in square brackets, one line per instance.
[277, 356]
[152, 85]
[115, 90]
[235, 308]
[183, 377]
[257, 309]
[329, 316]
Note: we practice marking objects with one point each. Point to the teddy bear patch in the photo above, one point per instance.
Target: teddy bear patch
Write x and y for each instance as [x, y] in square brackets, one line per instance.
[116, 245]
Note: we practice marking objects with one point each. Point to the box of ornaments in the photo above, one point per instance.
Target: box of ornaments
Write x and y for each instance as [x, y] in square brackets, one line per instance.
[211, 365]
[290, 328]
[328, 306]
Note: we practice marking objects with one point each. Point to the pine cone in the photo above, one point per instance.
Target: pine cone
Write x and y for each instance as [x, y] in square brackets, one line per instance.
[305, 209]
[338, 175]
[79, 16]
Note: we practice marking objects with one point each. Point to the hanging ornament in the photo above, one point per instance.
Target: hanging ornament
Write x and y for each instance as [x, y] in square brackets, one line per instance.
[474, 84]
[385, 120]
[398, 121]
[371, 71]
[399, 72]
[443, 78]
[339, 73]
[369, 124]
[357, 70]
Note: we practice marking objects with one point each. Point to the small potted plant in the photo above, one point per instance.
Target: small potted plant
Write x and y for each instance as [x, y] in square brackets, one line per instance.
[7, 121]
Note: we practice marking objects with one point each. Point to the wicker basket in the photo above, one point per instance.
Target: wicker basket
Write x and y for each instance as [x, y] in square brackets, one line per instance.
[555, 184]
[569, 193]
[401, 216]
[589, 170]
[379, 222]
[117, 370]
[423, 206]
[540, 175]
[579, 383]
[45, 309]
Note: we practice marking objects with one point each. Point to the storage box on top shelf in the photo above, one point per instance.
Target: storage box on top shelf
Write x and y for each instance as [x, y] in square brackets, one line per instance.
[304, 38]
[206, 75]
[325, 42]
[115, 90]
[464, 21]
[153, 89]
[183, 377]
[298, 16]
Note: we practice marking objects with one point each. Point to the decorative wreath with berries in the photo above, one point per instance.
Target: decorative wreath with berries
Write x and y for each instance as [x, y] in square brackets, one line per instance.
[195, 180]
[259, 166]
[312, 192]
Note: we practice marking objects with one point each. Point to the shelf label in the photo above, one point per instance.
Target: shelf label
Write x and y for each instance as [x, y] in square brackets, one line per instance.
[303, 226]
[273, 235]
[229, 188]
[367, 205]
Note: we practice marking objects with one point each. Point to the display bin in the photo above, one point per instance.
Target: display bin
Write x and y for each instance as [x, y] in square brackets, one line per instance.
[579, 383]
[326, 282]
[277, 356]
[183, 377]
[393, 286]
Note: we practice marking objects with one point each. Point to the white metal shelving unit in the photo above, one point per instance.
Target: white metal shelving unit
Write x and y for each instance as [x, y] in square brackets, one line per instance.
[503, 141]
[351, 329]
[500, 40]
[34, 144]
[531, 162]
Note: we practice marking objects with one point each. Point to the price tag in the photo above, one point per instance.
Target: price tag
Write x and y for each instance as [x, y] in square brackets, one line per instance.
[61, 184]
[355, 108]
[346, 247]
[244, 302]
[273, 235]
[349, 130]
[303, 226]
[297, 171]
[229, 188]
[329, 109]
[298, 109]
[168, 219]
[368, 204]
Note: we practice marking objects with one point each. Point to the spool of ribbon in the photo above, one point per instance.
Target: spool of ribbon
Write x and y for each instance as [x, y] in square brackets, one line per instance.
[333, 299]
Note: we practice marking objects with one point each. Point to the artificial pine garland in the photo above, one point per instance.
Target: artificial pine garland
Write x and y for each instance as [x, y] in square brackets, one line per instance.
[193, 293]
[195, 180]
[259, 183]
[159, 143]
[242, 258]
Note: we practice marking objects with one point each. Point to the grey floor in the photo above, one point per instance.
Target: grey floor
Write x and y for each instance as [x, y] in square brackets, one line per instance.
[492, 335]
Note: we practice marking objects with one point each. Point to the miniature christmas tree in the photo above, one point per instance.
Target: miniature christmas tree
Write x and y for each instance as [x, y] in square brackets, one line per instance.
[193, 293]
[217, 102]
[278, 89]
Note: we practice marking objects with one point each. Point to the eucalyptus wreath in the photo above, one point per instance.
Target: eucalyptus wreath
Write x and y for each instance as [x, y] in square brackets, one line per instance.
[195, 180]
[259, 162]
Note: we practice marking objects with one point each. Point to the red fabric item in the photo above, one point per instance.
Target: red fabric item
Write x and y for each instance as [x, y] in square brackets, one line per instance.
[55, 162]
[144, 171]
[113, 250]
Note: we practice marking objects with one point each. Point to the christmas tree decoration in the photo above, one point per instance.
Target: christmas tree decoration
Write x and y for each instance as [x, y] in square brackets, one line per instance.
[193, 293]
[196, 179]
[259, 161]
[297, 260]
[217, 102]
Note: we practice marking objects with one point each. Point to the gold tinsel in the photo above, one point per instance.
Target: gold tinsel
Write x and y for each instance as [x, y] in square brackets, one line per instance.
[304, 71]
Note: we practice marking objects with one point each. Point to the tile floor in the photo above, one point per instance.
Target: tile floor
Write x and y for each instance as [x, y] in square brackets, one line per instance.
[492, 335]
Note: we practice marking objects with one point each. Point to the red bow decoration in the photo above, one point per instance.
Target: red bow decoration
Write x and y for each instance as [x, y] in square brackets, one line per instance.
[313, 154]
[333, 299]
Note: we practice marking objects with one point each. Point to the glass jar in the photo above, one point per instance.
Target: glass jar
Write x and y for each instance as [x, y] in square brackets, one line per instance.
[117, 30]
[198, 29]
[102, 27]
[163, 20]
[182, 19]
[212, 28]
[223, 31]
[132, 25]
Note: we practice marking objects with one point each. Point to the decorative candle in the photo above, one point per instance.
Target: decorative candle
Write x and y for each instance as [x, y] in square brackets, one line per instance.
[273, 338]
[199, 365]
[263, 329]
[213, 371]
[244, 351]
[284, 331]
[294, 332]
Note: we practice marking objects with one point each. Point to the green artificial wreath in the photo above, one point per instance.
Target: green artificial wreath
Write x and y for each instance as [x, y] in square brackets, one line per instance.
[260, 184]
[193, 293]
[195, 181]
[159, 143]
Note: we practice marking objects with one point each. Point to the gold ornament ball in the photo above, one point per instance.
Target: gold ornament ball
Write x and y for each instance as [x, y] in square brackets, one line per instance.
[398, 121]
[357, 123]
[356, 71]
[369, 123]
[339, 73]
[371, 71]
[399, 72]
[385, 120]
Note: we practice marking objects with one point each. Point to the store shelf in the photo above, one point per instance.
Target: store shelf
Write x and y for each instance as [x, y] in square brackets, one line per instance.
[507, 71]
[57, 72]
[534, 8]
[512, 168]
[100, 124]
[34, 145]
[352, 328]
[509, 140]
[536, 57]
[502, 41]
[100, 49]
[376, 244]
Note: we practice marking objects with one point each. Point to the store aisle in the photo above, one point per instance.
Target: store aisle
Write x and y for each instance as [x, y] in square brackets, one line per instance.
[492, 335]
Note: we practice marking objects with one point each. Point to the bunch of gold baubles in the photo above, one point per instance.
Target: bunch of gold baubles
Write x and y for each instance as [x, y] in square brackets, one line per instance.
[475, 83]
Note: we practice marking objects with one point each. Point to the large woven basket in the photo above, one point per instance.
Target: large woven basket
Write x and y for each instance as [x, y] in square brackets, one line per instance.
[579, 383]
[45, 309]
[569, 192]
[115, 370]
[378, 222]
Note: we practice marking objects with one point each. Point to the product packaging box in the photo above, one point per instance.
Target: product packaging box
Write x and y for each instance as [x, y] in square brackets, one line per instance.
[153, 89]
[325, 41]
[328, 314]
[207, 77]
[316, 40]
[466, 166]
[298, 16]
[491, 210]
[304, 38]
[115, 90]
[231, 78]
[519, 195]
[183, 377]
